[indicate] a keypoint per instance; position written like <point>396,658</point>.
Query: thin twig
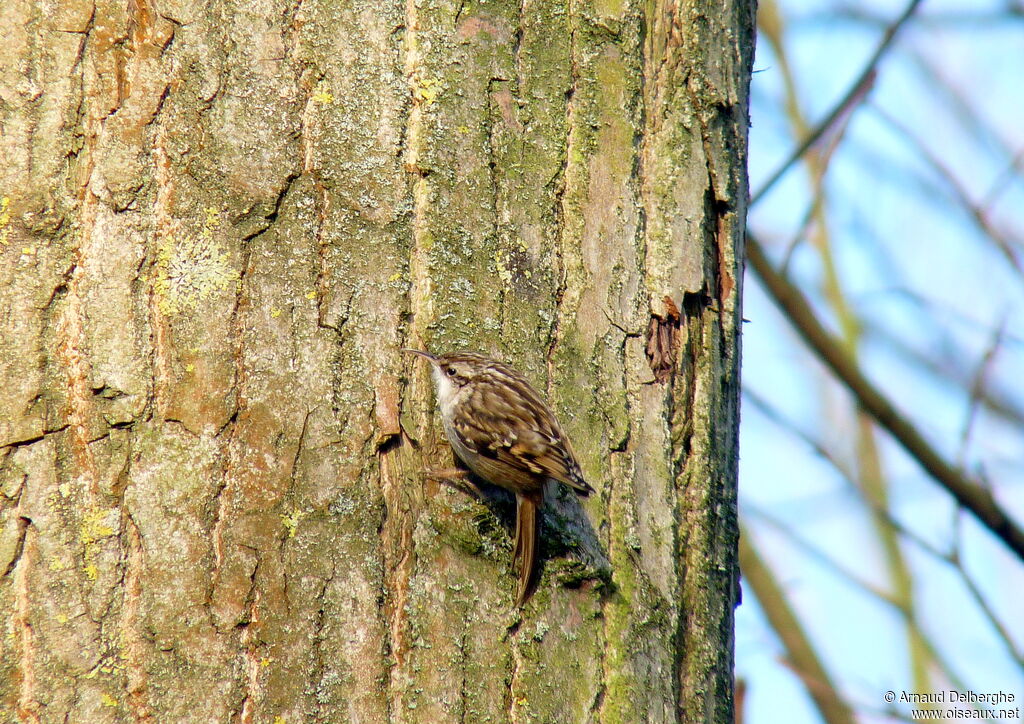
<point>955,559</point>
<point>990,615</point>
<point>975,124</point>
<point>977,391</point>
<point>891,600</point>
<point>940,308</point>
<point>974,211</point>
<point>828,456</point>
<point>823,558</point>
<point>946,369</point>
<point>773,415</point>
<point>821,167</point>
<point>856,93</point>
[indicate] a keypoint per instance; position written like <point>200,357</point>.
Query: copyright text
<point>978,705</point>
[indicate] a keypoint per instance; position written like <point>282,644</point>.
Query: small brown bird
<point>501,429</point>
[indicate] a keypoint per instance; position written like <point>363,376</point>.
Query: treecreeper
<point>505,433</point>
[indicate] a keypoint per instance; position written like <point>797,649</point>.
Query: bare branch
<point>773,414</point>
<point>966,491</point>
<point>950,557</point>
<point>903,607</point>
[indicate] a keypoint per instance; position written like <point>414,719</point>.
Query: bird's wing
<point>518,431</point>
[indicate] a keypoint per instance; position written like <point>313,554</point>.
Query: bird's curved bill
<point>425,355</point>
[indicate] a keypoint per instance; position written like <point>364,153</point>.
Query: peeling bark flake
<point>663,340</point>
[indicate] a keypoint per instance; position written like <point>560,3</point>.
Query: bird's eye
<point>450,371</point>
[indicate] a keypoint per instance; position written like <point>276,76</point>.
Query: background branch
<point>968,493</point>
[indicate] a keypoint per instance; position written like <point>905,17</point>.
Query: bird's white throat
<point>447,391</point>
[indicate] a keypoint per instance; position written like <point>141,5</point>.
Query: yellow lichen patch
<point>279,720</point>
<point>95,525</point>
<point>265,662</point>
<point>192,269</point>
<point>426,90</point>
<point>110,664</point>
<point>5,219</point>
<point>504,273</point>
<point>108,700</point>
<point>62,618</point>
<point>275,313</point>
<point>56,564</point>
<point>311,294</point>
<point>323,96</point>
<point>291,519</point>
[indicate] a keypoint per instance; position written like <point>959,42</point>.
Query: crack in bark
<point>237,330</point>
<point>69,325</point>
<point>323,205</point>
<point>134,654</point>
<point>513,679</point>
<point>718,208</point>
<point>399,564</point>
<point>622,443</point>
<point>399,514</point>
<point>28,706</point>
<point>318,641</point>
<point>19,545</point>
<point>681,430</point>
<point>493,119</point>
<point>343,315</point>
<point>287,493</point>
<point>217,535</point>
<point>270,218</point>
<point>165,228</point>
<point>561,212</point>
<point>292,29</point>
<point>249,639</point>
<point>15,444</point>
<point>227,434</point>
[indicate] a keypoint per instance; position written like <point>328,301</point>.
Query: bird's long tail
<point>525,552</point>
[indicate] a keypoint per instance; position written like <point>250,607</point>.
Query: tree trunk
<point>220,223</point>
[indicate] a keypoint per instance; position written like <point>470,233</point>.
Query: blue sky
<point>919,272</point>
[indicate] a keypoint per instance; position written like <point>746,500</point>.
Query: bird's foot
<point>456,478</point>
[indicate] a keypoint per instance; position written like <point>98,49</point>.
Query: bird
<point>504,432</point>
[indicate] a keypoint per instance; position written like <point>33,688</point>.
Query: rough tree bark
<point>221,220</point>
